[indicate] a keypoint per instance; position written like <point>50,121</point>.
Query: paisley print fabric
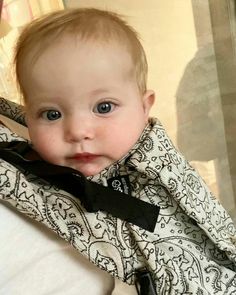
<point>191,251</point>
<point>12,110</point>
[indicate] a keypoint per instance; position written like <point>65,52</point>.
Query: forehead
<point>73,41</point>
<point>70,46</point>
<point>71,61</point>
<point>73,54</point>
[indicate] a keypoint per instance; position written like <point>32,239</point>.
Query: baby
<point>83,75</point>
<point>84,88</point>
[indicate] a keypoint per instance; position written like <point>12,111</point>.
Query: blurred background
<point>191,51</point>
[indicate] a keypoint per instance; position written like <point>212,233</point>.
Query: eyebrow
<point>99,91</point>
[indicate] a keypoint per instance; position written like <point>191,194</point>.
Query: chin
<point>89,171</point>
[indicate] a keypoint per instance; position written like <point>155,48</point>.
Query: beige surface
<point>15,127</point>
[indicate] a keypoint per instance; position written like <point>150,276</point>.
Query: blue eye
<point>51,115</point>
<point>104,107</point>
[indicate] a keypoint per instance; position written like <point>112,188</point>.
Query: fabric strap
<point>93,196</point>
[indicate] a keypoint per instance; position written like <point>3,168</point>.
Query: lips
<point>84,157</point>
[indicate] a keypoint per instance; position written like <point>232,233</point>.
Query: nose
<point>79,129</point>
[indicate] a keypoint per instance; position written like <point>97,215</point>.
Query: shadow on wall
<point>201,135</point>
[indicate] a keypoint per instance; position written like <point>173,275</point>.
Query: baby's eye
<point>104,107</point>
<point>51,115</point>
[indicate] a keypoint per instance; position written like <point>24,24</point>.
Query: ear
<point>148,101</point>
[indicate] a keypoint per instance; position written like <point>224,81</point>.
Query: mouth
<point>84,157</point>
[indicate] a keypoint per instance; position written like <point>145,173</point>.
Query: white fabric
<point>123,289</point>
<point>34,260</point>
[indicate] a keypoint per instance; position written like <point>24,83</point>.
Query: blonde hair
<point>87,23</point>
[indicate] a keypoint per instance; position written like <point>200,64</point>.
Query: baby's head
<point>82,74</point>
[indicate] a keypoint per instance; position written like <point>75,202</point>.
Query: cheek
<point>45,143</point>
<point>121,137</point>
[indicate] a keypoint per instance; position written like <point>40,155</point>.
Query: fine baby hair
<point>85,24</point>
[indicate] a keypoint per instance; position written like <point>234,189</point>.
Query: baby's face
<point>84,109</point>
